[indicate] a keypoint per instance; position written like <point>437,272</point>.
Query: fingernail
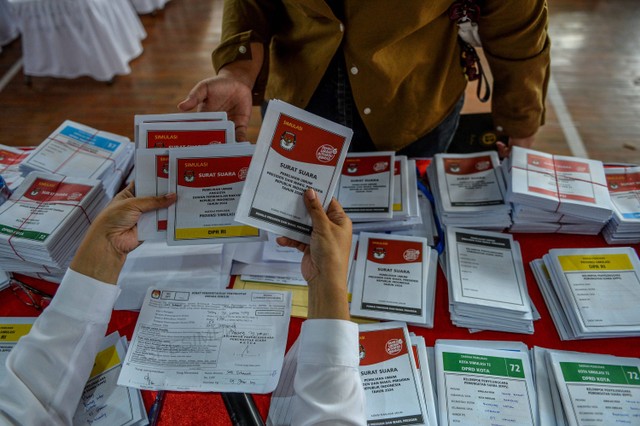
<point>170,196</point>
<point>311,194</point>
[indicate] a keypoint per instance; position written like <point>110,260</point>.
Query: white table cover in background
<point>8,28</point>
<point>148,6</point>
<point>72,38</point>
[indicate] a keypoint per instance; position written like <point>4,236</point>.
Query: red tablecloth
<point>191,408</point>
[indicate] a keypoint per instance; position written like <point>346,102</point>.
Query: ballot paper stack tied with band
<point>592,292</point>
<point>45,219</point>
<point>553,193</point>
<point>577,388</point>
<point>487,287</point>
<point>624,189</point>
<point>77,150</point>
<point>469,190</point>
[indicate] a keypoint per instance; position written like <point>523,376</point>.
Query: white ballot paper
<point>366,188</point>
<point>597,389</point>
<point>218,341</point>
<point>11,330</point>
<point>391,278</point>
<point>152,162</point>
<point>479,386</point>
<point>181,117</point>
<point>296,150</point>
<point>392,386</point>
<point>208,181</point>
<point>103,402</point>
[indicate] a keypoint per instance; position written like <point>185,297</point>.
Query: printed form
<point>219,341</point>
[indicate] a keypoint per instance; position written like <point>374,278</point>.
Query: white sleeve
<point>327,384</point>
<point>49,367</point>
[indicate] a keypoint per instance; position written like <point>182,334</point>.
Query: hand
<point>113,234</point>
<point>326,258</point>
<point>505,150</point>
<point>222,93</point>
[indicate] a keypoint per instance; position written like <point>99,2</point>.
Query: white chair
<point>73,38</point>
<point>8,28</point>
<point>148,6</point>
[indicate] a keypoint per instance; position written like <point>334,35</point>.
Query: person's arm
<point>327,382</point>
<point>48,368</point>
<point>516,44</point>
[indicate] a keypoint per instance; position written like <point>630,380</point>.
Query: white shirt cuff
<point>85,298</point>
<point>329,341</point>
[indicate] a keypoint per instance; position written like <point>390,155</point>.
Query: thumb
<point>312,203</point>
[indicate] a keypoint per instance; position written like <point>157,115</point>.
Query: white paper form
<point>600,286</point>
<point>391,278</point>
<point>478,386</point>
<point>103,402</point>
<point>485,270</point>
<point>219,341</point>
<point>152,162</point>
<point>181,117</point>
<point>470,182</point>
<point>11,330</point>
<point>422,364</point>
<point>393,392</point>
<point>597,389</point>
<point>77,150</point>
<point>366,187</point>
<point>296,150</point>
<point>208,181</point>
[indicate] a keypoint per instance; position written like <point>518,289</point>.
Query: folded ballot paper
<point>469,190</point>
<point>43,222</point>
<point>77,150</point>
<point>624,189</point>
<point>561,194</point>
<point>487,287</point>
<point>394,279</point>
<point>591,293</point>
<point>155,136</point>
<point>577,388</point>
<point>296,150</point>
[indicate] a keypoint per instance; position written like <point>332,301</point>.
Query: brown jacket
<point>403,59</point>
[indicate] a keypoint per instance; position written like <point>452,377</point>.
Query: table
<point>208,408</point>
<point>73,38</point>
<point>148,6</point>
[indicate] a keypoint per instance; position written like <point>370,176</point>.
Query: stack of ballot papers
<point>552,193</point>
<point>76,150</point>
<point>487,286</point>
<point>408,212</point>
<point>624,189</point>
<point>577,388</point>
<point>45,219</point>
<point>469,190</point>
<point>156,136</point>
<point>394,279</point>
<point>485,383</point>
<point>591,293</point>
<point>395,375</point>
<point>10,159</point>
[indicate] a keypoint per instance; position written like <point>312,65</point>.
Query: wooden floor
<point>595,65</point>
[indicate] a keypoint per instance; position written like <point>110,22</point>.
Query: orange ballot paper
<point>296,150</point>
